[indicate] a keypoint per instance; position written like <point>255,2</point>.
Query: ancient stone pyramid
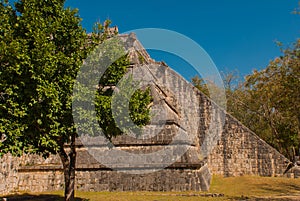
<point>182,147</point>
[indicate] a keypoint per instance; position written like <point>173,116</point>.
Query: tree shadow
<point>29,197</point>
<point>284,188</point>
<point>276,192</point>
<point>267,198</point>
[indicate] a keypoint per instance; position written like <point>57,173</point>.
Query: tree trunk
<point>69,161</point>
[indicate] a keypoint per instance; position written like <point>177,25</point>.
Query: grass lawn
<point>233,188</point>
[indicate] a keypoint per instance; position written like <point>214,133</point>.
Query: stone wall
<point>241,152</point>
<point>40,180</point>
<point>220,145</point>
<point>49,177</point>
<point>237,151</point>
<point>19,173</point>
<point>8,173</point>
<point>163,180</point>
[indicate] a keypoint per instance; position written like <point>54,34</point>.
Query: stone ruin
<point>190,160</point>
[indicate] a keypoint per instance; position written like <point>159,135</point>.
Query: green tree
<point>12,57</point>
<point>276,89</point>
<point>200,84</point>
<point>267,102</point>
<point>42,52</point>
<point>42,48</point>
<point>138,100</point>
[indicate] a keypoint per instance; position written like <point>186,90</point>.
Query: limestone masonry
<point>185,110</point>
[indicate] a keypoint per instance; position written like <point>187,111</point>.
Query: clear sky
<point>237,34</point>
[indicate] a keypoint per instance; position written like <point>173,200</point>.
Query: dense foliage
<point>138,101</point>
<point>40,54</point>
<point>42,47</point>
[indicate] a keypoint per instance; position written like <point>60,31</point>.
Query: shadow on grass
<point>28,197</point>
<point>284,188</point>
<point>276,192</point>
<point>246,198</point>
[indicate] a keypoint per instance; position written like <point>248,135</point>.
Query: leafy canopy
<point>42,48</point>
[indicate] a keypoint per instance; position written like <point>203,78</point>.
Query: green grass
<point>255,186</point>
<point>233,188</point>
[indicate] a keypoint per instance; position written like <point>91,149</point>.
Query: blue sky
<point>237,34</point>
